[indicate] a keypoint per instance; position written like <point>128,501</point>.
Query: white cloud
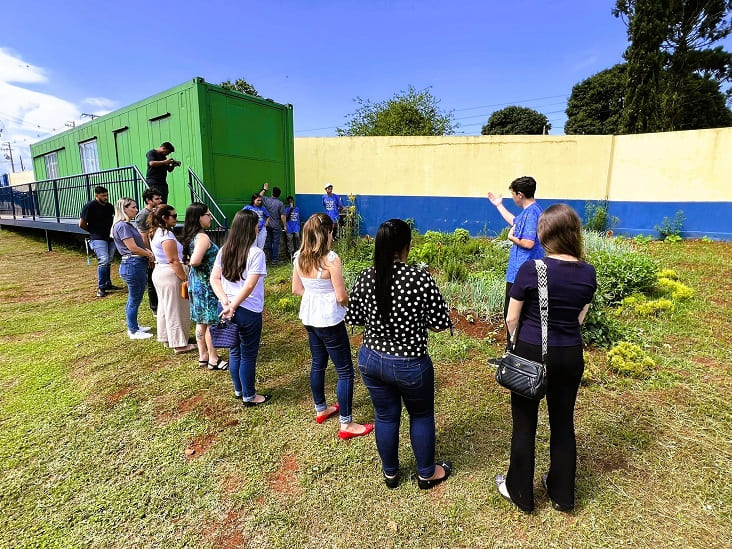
<point>14,69</point>
<point>100,103</point>
<point>26,115</point>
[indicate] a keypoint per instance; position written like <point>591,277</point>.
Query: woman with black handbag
<point>571,285</point>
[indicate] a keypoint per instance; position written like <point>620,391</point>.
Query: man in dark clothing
<point>152,200</point>
<point>277,221</point>
<point>158,166</point>
<point>96,218</point>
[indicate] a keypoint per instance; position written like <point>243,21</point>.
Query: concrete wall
<point>441,182</point>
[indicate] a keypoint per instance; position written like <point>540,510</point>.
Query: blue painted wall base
<point>480,217</point>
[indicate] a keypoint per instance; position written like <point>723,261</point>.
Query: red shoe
<point>321,419</point>
<point>345,435</point>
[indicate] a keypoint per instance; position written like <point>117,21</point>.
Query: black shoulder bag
<point>520,375</point>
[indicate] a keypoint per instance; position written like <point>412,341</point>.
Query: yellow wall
<point>20,178</point>
<point>690,166</point>
<point>670,167</point>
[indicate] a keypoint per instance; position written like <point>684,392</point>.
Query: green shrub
<point>468,249</point>
<point>642,239</point>
<point>640,305</point>
<point>461,235</point>
<point>653,307</point>
<point>622,274</point>
<point>435,236</point>
<point>427,253</point>
<point>289,304</point>
<point>455,270</point>
<point>630,360</point>
<point>670,229</point>
<point>352,269</point>
<point>597,218</point>
<point>601,327</point>
<point>668,273</point>
<point>596,242</point>
<point>676,289</point>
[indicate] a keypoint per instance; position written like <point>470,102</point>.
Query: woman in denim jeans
<point>397,303</point>
<point>237,278</point>
<point>135,258</point>
<point>318,277</point>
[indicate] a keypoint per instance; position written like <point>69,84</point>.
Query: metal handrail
<point>200,194</point>
<point>63,198</point>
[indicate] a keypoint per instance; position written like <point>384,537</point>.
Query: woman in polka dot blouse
<point>397,303</point>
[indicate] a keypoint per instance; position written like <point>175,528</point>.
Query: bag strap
<point>542,286</point>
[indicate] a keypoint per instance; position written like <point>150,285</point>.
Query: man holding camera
<point>158,166</point>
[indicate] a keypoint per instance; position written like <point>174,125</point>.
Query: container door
<point>122,148</point>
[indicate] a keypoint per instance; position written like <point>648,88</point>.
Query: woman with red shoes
<point>397,303</point>
<point>318,277</point>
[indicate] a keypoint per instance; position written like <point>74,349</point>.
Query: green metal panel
<point>247,141</point>
<point>234,142</point>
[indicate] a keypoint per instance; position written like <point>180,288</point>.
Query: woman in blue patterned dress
<point>201,253</point>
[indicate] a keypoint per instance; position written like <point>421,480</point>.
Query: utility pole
<point>10,155</point>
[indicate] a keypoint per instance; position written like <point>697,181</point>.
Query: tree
<point>596,104</point>
<point>646,21</point>
<point>516,121</point>
<point>673,68</point>
<point>240,85</point>
<point>407,113</point>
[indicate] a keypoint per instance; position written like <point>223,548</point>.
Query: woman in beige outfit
<point>174,315</point>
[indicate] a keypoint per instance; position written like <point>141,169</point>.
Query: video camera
<point>176,163</point>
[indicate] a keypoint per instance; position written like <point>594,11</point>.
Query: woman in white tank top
<point>318,278</point>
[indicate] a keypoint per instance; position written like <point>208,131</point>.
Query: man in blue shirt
<point>333,206</point>
<point>523,228</point>
<point>292,222</point>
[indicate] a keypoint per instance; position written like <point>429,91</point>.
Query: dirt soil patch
<point>283,481</point>
<point>472,326</point>
<point>199,447</point>
<point>226,534</point>
<point>114,398</point>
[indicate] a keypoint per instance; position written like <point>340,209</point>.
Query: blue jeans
<point>331,341</point>
<point>105,252</point>
<point>391,379</point>
<point>243,358</point>
<point>133,271</point>
<point>273,243</point>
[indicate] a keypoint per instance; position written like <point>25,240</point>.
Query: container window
<point>51,160</point>
<point>89,156</point>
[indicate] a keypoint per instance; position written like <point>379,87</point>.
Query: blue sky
<point>58,60</point>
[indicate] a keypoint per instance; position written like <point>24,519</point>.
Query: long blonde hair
<point>315,246</point>
<point>119,211</point>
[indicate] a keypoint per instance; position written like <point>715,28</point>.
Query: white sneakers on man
<point>144,328</point>
<point>139,334</point>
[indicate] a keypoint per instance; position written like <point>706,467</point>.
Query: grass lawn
<point>108,442</point>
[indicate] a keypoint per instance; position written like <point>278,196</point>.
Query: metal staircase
<point>219,223</point>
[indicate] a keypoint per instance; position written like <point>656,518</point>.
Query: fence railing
<point>63,198</point>
<point>200,194</point>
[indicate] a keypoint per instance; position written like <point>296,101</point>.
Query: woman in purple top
<point>571,285</point>
<point>263,216</point>
<point>135,259</point>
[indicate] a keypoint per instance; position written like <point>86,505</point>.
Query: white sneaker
<point>144,328</point>
<point>139,335</point>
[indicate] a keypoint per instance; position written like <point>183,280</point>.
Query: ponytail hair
<point>158,217</point>
<point>392,238</point>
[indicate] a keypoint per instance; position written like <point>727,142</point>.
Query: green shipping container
<point>233,142</point>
